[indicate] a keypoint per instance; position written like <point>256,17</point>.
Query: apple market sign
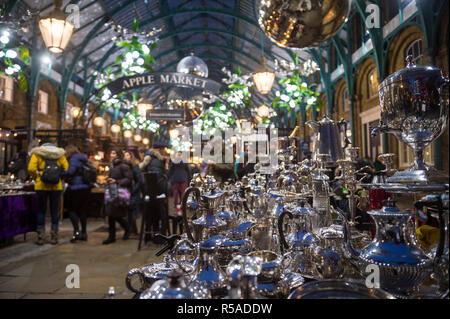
<point>162,79</point>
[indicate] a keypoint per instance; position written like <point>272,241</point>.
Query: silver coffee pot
<point>206,269</point>
<point>327,138</point>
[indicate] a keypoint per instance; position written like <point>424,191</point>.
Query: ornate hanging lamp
<point>56,30</point>
<point>264,79</point>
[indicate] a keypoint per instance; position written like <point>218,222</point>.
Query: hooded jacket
<point>37,163</point>
<point>76,172</point>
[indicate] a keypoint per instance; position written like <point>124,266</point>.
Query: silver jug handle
<point>176,250</point>
<point>444,83</point>
<point>186,226</point>
<point>130,274</point>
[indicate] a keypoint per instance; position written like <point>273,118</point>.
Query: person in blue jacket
<point>77,192</point>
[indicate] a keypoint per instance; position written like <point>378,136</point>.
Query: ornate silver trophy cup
<point>414,107</point>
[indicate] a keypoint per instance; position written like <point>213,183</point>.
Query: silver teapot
<point>402,264</point>
<point>271,282</point>
<point>414,107</point>
<point>140,279</point>
<point>175,286</point>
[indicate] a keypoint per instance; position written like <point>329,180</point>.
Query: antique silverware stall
<point>284,235</point>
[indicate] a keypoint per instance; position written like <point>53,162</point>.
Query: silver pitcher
<point>207,270</point>
<point>328,139</point>
<point>207,225</point>
<point>414,107</point>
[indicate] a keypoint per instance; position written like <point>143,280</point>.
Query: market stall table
<point>18,214</point>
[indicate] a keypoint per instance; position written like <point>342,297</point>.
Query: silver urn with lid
<point>414,107</point>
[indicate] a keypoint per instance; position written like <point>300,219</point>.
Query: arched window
<point>372,82</point>
<point>416,50</point>
<point>346,101</point>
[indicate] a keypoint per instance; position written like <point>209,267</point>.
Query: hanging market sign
<point>166,115</point>
<point>162,79</point>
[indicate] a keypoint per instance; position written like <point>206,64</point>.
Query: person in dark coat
<point>119,173</point>
<point>155,162</point>
<point>138,189</point>
<point>179,175</point>
<point>77,193</point>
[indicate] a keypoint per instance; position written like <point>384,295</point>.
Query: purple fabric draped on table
<point>18,215</point>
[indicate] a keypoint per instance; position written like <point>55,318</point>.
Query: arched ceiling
<point>221,32</point>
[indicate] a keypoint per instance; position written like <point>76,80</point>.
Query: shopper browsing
<point>117,204</point>
<point>78,190</point>
<point>46,166</point>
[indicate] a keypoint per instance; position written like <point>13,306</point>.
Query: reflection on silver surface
<point>300,23</point>
<point>338,289</point>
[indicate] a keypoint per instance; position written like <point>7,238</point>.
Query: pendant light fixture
<point>264,78</point>
<point>115,128</point>
<point>56,30</point>
<point>99,121</point>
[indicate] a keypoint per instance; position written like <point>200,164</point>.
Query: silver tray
<point>409,188</point>
<point>338,289</point>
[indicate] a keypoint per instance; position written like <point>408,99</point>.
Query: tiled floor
<point>31,271</point>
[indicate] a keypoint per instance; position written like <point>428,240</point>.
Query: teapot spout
<point>314,125</point>
<point>347,235</point>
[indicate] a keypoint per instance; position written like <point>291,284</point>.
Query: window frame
<point>371,94</point>
<point>8,83</point>
<point>410,47</point>
<point>346,100</point>
<point>42,93</point>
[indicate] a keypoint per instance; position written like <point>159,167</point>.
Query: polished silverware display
<point>414,107</point>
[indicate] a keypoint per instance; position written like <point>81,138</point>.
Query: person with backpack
<point>138,187</point>
<point>120,177</point>
<point>78,190</point>
<point>155,162</point>
<point>46,166</point>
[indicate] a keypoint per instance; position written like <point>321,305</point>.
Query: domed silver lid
<point>411,72</point>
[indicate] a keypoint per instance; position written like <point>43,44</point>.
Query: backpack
<point>89,173</point>
<point>161,177</point>
<point>51,173</point>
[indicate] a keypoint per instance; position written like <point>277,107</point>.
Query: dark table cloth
<point>18,214</point>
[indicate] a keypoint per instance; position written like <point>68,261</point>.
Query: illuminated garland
<point>213,120</point>
<point>136,59</point>
<point>238,94</point>
<point>133,121</point>
<point>9,57</point>
<point>295,92</point>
